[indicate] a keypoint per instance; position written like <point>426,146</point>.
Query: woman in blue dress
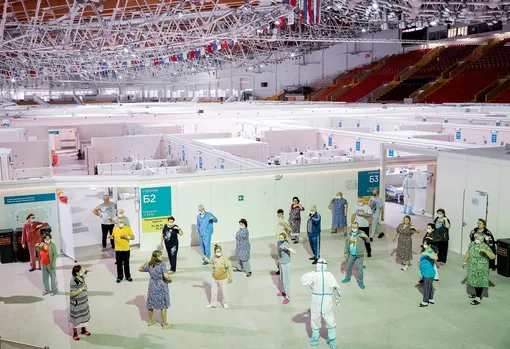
<point>158,296</point>
<point>340,207</point>
<point>243,248</point>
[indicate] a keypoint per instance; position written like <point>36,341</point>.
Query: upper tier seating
<point>382,76</point>
<point>345,81</point>
<point>429,72</point>
<point>495,63</point>
<point>404,89</point>
<point>446,58</point>
<point>503,97</point>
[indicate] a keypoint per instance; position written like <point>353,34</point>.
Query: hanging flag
<point>33,73</point>
<point>214,47</point>
<point>9,74</point>
<point>225,44</point>
<point>197,53</point>
<point>209,48</point>
<point>124,64</point>
<point>156,61</point>
<point>174,58</point>
<point>179,56</point>
<point>202,51</point>
<point>161,60</point>
<point>142,64</point>
<point>281,22</point>
<point>192,54</point>
<point>290,2</point>
<point>310,11</point>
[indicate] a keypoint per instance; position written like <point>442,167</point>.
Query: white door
<point>475,207</point>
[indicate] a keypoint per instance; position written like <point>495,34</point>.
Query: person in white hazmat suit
<point>325,291</point>
<point>409,187</point>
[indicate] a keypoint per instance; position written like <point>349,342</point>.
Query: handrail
<point>21,345</point>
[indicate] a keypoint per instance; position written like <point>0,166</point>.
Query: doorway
<point>475,207</point>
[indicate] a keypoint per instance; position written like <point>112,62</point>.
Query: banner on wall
<point>19,207</point>
<point>43,206</point>
<point>156,207</point>
<point>367,182</point>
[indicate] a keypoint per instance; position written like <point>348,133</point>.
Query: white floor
<point>384,315</point>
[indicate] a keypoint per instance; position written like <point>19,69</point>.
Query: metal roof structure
<point>94,40</point>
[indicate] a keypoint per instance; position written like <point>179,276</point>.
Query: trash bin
<point>6,252</point>
<point>22,254</point>
<point>503,258</point>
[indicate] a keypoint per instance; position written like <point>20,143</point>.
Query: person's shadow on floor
<point>304,318</point>
<point>114,340</point>
<point>20,300</point>
<point>207,288</point>
<point>139,302</point>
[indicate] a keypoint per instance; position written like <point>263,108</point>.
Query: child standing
<point>222,274</point>
<point>427,260</point>
<point>284,252</point>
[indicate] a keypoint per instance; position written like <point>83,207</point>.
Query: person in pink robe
<point>31,235</point>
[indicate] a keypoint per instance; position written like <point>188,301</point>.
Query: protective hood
<point>322,264</point>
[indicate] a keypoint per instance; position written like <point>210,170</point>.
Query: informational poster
<point>367,182</point>
<point>43,206</point>
<point>156,207</point>
<point>19,207</point>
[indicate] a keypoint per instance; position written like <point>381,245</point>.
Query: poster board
<point>156,207</point>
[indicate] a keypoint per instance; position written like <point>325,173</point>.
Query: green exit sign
<point>240,198</point>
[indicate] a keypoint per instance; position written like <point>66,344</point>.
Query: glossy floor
<point>384,315</point>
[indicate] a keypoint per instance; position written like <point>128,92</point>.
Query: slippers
<point>151,323</point>
<point>475,302</point>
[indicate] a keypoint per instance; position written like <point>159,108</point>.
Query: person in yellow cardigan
<point>122,234</point>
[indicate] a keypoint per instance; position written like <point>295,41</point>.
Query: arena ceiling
<point>111,40</point>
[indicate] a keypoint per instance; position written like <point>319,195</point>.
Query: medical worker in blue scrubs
<point>205,221</point>
<point>313,227</point>
<point>325,289</point>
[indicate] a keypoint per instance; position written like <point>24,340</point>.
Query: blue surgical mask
<point>32,219</point>
<point>282,240</point>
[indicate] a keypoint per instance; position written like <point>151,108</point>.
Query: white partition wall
<point>459,177</point>
<point>66,228</point>
<point>255,197</point>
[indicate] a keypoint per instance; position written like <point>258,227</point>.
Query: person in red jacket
<point>31,235</point>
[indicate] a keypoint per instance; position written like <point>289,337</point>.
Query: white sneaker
<point>45,293</point>
<point>405,267</point>
<point>225,305</point>
<point>210,306</point>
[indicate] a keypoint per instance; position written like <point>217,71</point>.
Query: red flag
<point>174,58</point>
<point>156,61</point>
<point>225,44</point>
<point>282,22</point>
<point>33,73</point>
<point>209,49</point>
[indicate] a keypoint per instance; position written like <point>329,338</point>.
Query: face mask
<point>440,215</point>
<point>121,215</point>
<point>360,203</point>
<point>32,220</point>
<point>429,230</point>
<point>81,273</point>
<point>121,225</point>
<point>478,242</point>
<point>282,240</point>
<point>218,254</point>
<point>425,246</point>
<point>47,241</point>
<point>355,230</point>
<point>241,227</point>
<point>312,213</point>
<point>339,196</point>
<point>202,213</point>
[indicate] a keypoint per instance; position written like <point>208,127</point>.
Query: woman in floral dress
<point>158,296</point>
<point>243,248</point>
<point>295,218</point>
<point>477,261</point>
<point>405,232</point>
<point>340,208</point>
